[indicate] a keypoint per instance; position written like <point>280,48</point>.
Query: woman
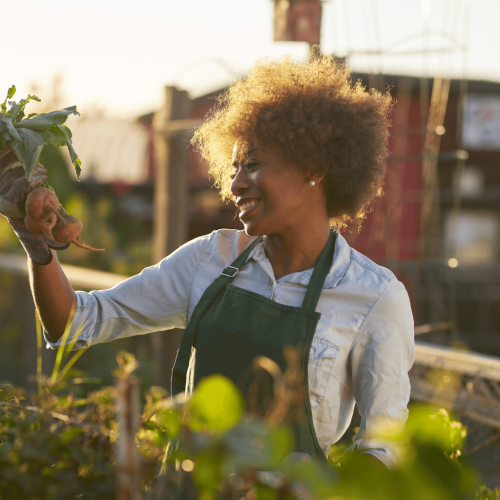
<point>300,150</point>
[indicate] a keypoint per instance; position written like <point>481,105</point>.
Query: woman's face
<point>272,194</point>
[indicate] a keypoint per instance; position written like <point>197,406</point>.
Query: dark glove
<point>14,187</point>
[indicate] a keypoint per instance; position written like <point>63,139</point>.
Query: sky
<point>114,57</point>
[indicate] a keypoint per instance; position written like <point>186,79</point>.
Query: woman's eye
<point>251,165</point>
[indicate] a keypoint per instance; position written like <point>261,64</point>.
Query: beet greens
<point>26,136</point>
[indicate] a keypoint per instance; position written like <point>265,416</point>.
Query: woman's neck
<point>296,250</point>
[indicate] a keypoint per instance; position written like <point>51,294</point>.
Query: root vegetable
<point>40,205</point>
<point>38,201</point>
<point>40,226</point>
<point>67,230</point>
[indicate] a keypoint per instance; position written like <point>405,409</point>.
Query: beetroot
<point>40,226</point>
<point>40,205</point>
<point>44,216</point>
<point>67,230</point>
<point>38,202</point>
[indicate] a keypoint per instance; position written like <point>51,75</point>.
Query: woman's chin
<point>252,229</point>
<point>249,230</point>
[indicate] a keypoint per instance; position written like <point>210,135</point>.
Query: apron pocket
<point>321,360</point>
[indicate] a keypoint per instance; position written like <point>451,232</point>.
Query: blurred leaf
<point>170,421</point>
<point>428,426</point>
<point>280,444</point>
<point>484,493</point>
<point>216,405</point>
<point>126,365</point>
<point>206,475</point>
<point>69,434</point>
<point>254,444</point>
<point>264,492</point>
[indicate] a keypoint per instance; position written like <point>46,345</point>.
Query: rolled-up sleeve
<point>382,354</point>
<point>154,300</point>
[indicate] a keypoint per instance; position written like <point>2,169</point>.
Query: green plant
<point>484,493</point>
<point>26,136</point>
<point>60,444</point>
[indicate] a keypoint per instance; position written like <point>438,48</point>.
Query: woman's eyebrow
<point>247,154</point>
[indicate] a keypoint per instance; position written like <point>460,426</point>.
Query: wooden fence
<point>79,277</point>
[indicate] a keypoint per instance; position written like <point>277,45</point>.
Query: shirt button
<point>312,350</point>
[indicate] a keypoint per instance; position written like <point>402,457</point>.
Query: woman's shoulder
<point>228,243</point>
<point>221,244</point>
<point>380,286</point>
<point>366,266</point>
<point>230,234</point>
<point>371,280</point>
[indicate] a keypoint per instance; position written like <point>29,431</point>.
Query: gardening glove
<point>14,187</point>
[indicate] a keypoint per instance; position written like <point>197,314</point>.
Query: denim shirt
<point>361,352</point>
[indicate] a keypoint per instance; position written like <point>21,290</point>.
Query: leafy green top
<point>26,136</point>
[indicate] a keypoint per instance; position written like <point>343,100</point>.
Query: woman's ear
<point>316,178</point>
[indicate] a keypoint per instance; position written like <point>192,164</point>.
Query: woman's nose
<point>239,183</point>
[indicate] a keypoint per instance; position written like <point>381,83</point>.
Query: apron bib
<point>231,326</point>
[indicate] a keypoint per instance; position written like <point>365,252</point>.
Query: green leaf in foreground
<point>216,405</point>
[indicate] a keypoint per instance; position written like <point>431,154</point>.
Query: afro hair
<point>323,123</point>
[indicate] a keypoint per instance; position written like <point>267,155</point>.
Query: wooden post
<point>171,200</point>
<point>128,479</point>
<point>429,222</point>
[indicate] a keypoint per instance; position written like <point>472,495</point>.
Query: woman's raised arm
<point>53,295</point>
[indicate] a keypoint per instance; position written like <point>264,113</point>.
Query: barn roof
<point>112,150</point>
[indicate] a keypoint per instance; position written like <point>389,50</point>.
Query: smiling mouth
<point>247,207</point>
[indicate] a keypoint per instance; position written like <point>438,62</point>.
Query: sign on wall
<point>481,128</point>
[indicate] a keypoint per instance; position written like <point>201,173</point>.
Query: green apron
<point>231,326</point>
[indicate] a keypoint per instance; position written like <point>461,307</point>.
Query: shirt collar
<point>341,261</point>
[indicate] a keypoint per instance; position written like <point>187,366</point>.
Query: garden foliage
<point>60,442</point>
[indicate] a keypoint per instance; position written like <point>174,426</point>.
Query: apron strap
<point>181,364</point>
<point>232,270</point>
<point>319,274</point>
<point>227,274</point>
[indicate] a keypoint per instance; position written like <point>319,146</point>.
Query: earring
<point>312,183</point>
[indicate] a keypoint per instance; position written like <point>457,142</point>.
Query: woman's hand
<point>14,187</point>
<point>52,292</point>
